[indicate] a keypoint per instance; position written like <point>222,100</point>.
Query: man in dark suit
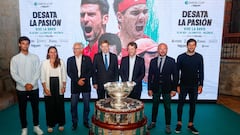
<point>132,69</point>
<point>79,69</point>
<point>105,69</point>
<point>162,81</point>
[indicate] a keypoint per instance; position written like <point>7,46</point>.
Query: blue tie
<point>106,62</point>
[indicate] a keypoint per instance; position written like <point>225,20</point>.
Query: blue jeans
<point>74,108</point>
<point>193,94</point>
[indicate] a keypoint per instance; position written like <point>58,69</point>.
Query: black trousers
<point>33,97</point>
<point>166,102</point>
<point>101,92</point>
<point>193,95</point>
<point>54,105</point>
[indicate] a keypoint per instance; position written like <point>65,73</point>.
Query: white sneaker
<point>24,131</point>
<point>37,130</point>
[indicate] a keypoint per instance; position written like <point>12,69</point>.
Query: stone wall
<point>9,33</point>
<point>229,79</point>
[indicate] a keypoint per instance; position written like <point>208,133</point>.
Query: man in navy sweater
<point>191,75</point>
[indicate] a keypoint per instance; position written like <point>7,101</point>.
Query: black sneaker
<point>178,129</point>
<point>151,126</point>
<point>193,129</point>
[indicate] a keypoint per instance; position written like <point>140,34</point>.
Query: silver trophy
<point>118,91</point>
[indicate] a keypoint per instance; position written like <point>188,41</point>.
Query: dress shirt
<point>131,66</point>
<point>79,63</point>
<point>162,62</point>
<point>108,58</point>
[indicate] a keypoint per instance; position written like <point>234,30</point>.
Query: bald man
<point>162,81</point>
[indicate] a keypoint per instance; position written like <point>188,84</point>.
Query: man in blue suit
<point>105,69</point>
<point>162,81</point>
<point>132,69</point>
<point>79,69</point>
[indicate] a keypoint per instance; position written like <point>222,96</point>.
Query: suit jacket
<point>100,74</point>
<point>169,75</point>
<point>86,72</point>
<point>138,71</point>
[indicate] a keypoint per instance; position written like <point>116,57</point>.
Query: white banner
<point>57,22</point>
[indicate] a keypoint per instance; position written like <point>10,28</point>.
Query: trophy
<point>118,91</point>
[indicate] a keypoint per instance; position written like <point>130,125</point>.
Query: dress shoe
<point>74,127</point>
<point>151,126</point>
<point>86,125</point>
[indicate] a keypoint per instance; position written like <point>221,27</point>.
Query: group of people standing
<point>166,78</point>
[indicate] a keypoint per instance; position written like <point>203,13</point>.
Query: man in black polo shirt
<point>190,69</point>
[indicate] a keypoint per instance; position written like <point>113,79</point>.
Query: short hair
<point>113,39</point>
<point>191,40</point>
<point>133,44</point>
<point>104,41</point>
<point>22,38</point>
<point>103,5</point>
<point>78,43</point>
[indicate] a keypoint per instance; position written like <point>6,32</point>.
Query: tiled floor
<point>231,102</point>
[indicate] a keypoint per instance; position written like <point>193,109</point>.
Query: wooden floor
<point>231,102</point>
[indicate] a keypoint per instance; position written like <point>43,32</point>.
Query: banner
<point>62,23</point>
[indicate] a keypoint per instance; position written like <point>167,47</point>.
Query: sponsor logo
<point>194,3</point>
<point>43,4</point>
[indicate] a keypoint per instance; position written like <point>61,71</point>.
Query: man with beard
<point>93,18</point>
<point>191,75</point>
<point>132,16</point>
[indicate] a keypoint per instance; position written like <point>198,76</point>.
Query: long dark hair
<point>57,60</point>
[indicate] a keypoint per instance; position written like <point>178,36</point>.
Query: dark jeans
<point>166,103</point>
<point>193,94</point>
<point>74,108</point>
<point>54,105</point>
<point>33,97</point>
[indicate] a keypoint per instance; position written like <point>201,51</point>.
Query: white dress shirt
<point>131,66</point>
<point>79,63</point>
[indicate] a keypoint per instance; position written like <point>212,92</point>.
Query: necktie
<point>160,65</point>
<point>106,62</point>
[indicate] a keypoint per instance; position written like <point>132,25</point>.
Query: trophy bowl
<point>118,91</point>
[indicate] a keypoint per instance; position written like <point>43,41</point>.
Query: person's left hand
<point>28,87</point>
<point>81,81</point>
<point>199,89</point>
<point>63,89</point>
<point>173,93</point>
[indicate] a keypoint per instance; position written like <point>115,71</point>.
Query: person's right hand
<point>81,81</point>
<point>150,93</point>
<point>178,89</point>
<point>28,87</point>
<point>47,92</point>
<point>95,86</point>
